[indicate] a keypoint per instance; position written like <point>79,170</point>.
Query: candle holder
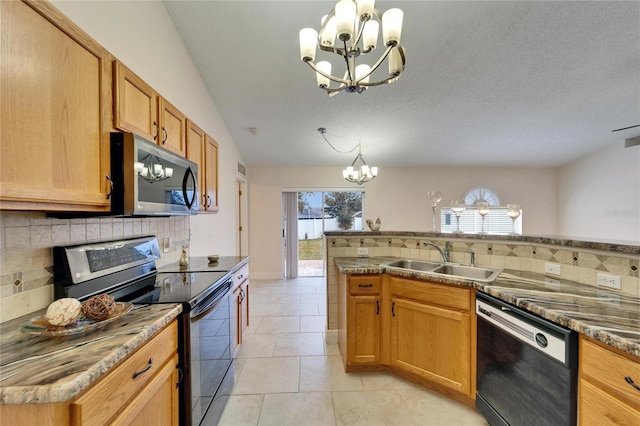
<point>513,211</point>
<point>483,210</point>
<point>434,198</point>
<point>458,206</point>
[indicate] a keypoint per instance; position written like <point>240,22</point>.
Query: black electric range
<point>126,270</point>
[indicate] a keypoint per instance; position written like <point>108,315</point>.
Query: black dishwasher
<point>526,367</point>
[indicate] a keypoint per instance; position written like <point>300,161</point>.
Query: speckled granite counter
<point>603,314</point>
<point>35,369</point>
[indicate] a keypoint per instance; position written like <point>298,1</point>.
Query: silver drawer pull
<point>365,285</point>
<point>144,370</point>
<point>630,381</point>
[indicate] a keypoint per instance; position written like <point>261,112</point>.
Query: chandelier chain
<point>322,131</point>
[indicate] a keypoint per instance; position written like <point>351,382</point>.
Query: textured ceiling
<point>486,83</point>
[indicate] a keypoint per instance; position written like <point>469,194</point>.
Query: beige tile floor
<point>287,375</point>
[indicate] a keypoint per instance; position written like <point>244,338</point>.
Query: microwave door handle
<point>189,202</point>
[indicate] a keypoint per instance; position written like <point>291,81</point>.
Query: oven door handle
<point>210,305</point>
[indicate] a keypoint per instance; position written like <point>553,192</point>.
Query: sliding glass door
<point>317,212</point>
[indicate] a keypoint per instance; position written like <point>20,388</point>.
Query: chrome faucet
<point>444,253</point>
<point>473,258</point>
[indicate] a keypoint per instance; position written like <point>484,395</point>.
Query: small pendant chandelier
<point>354,26</point>
<point>359,171</point>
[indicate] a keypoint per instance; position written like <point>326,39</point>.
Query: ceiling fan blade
<point>629,142</point>
<point>626,128</point>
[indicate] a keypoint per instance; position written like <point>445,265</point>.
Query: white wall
<point>397,196</point>
<point>142,36</point>
<point>599,196</point>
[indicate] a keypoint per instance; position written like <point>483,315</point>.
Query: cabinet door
<point>363,329</point>
<point>196,140</point>
<point>172,128</point>
<point>244,309</point>
<point>157,403</point>
<point>431,342</point>
<point>211,174</point>
<point>136,104</point>
<point>237,311</point>
<point>55,112</point>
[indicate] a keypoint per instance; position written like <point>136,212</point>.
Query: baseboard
<point>331,337</point>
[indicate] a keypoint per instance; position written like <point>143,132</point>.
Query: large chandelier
<point>359,171</point>
<point>356,25</point>
<point>152,170</point>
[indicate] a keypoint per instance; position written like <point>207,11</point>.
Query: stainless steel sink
<point>413,265</point>
<point>446,269</point>
<point>470,272</point>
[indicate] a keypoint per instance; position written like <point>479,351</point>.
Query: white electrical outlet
<point>166,244</point>
<point>552,268</point>
<point>363,251</point>
<point>606,280</point>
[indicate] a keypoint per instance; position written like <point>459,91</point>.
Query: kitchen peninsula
<point>380,310</point>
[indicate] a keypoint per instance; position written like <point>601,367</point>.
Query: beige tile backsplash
<point>578,266</point>
<point>26,250</point>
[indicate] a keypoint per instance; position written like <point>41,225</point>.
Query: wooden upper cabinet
<point>211,174</point>
<point>202,149</point>
<point>139,109</point>
<point>136,108</point>
<point>55,109</point>
<point>172,128</point>
<point>196,140</point>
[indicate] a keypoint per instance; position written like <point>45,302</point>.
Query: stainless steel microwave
<point>149,180</point>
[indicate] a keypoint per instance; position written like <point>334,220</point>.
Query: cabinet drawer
<point>109,395</point>
<point>610,369</point>
<point>240,275</point>
<point>364,284</point>
<point>435,294</point>
<point>599,408</point>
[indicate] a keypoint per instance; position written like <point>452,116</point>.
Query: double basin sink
<point>452,270</point>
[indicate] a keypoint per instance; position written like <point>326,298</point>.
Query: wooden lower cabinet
<point>422,331</point>
<point>241,290</point>
<point>141,390</point>
<point>431,342</point>
<point>605,396</point>
<point>432,333</point>
<point>363,319</point>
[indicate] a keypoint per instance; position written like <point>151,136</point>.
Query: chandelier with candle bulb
<point>359,171</point>
<point>150,168</point>
<point>353,27</point>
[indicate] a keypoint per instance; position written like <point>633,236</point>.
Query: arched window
<point>481,193</point>
<point>495,222</point>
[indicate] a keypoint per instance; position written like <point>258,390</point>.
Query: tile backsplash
<point>26,250</point>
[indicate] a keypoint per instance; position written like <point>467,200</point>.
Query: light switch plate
<point>166,244</point>
<point>363,251</point>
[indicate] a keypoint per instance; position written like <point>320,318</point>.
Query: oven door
<point>211,349</point>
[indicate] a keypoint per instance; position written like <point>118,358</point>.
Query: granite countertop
<point>37,369</point>
<point>608,316</point>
